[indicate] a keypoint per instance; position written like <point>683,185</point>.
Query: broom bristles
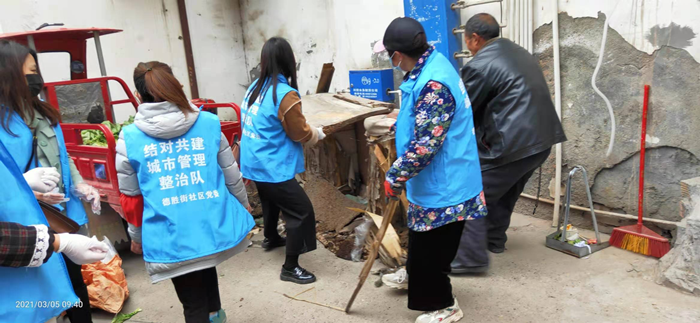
<point>635,244</point>
<point>639,244</point>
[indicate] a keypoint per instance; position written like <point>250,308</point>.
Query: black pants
<point>429,257</point>
<point>199,294</point>
<point>78,314</point>
<point>502,188</point>
<point>297,210</point>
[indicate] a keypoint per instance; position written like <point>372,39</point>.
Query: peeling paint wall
<point>645,24</point>
<point>674,118</point>
<point>320,31</point>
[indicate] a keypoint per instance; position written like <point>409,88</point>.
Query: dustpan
<point>562,243</point>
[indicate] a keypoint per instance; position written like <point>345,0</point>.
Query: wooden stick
<point>297,295</point>
<point>312,302</point>
<point>388,215</point>
<point>384,165</point>
<point>601,212</point>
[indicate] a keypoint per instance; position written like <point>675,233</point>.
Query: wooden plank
<point>324,82</point>
<point>391,242</point>
<point>334,112</point>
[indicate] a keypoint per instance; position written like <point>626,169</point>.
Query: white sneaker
<point>450,314</point>
<point>397,280</point>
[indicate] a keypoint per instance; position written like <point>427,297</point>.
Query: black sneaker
<point>269,244</point>
<point>297,275</point>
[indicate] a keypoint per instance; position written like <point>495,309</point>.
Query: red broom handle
<point>640,207</point>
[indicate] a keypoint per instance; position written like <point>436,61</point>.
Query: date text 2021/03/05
<point>47,304</point>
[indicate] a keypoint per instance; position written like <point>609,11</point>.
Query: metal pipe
<point>520,22</point>
<point>187,42</point>
<point>601,212</point>
<point>398,95</point>
<point>568,202</point>
<point>523,23</point>
<point>464,4</point>
<point>530,25</point>
<point>100,56</point>
<point>461,29</point>
<point>511,21</point>
<point>557,106</point>
<point>30,42</point>
<point>463,54</point>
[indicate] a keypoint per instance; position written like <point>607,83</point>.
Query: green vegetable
<point>97,138</point>
<point>121,317</point>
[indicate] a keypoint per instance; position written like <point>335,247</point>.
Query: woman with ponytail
<point>181,191</point>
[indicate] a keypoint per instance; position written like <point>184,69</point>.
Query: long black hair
<point>15,95</point>
<point>276,58</point>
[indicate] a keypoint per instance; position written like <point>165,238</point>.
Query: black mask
<point>35,83</point>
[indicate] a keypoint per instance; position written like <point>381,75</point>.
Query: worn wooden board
<point>335,111</point>
<point>391,243</point>
<point>330,205</point>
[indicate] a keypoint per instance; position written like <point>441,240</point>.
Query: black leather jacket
<point>514,115</point>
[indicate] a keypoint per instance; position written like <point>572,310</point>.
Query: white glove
<point>81,249</point>
<point>321,134</point>
<point>90,194</point>
<point>43,179</point>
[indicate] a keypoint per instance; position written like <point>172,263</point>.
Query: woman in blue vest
<point>36,286</point>
<point>30,130</point>
<point>438,166</point>
<point>182,192</point>
<point>274,130</point>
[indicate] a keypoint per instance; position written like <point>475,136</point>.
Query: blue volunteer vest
<point>267,153</point>
<point>454,175</point>
<point>33,294</point>
<point>188,211</point>
<point>21,148</point>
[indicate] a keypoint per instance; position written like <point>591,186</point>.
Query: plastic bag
<point>106,281</point>
<point>360,237</point>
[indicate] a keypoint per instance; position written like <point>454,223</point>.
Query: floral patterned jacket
<point>435,108</point>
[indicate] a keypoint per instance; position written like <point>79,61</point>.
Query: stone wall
<point>674,119</point>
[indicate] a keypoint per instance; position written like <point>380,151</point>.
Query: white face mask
<point>397,67</point>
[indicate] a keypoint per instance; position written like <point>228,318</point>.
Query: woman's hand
<point>136,248</point>
<point>42,179</point>
<point>50,198</point>
<point>249,208</point>
<point>89,194</point>
<point>81,249</point>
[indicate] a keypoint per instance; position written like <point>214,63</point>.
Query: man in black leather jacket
<point>516,125</point>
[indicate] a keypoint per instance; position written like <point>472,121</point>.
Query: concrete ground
<point>527,283</point>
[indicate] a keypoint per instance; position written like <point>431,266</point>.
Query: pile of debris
<point>335,222</point>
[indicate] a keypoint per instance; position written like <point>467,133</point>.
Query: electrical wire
<point>595,87</point>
